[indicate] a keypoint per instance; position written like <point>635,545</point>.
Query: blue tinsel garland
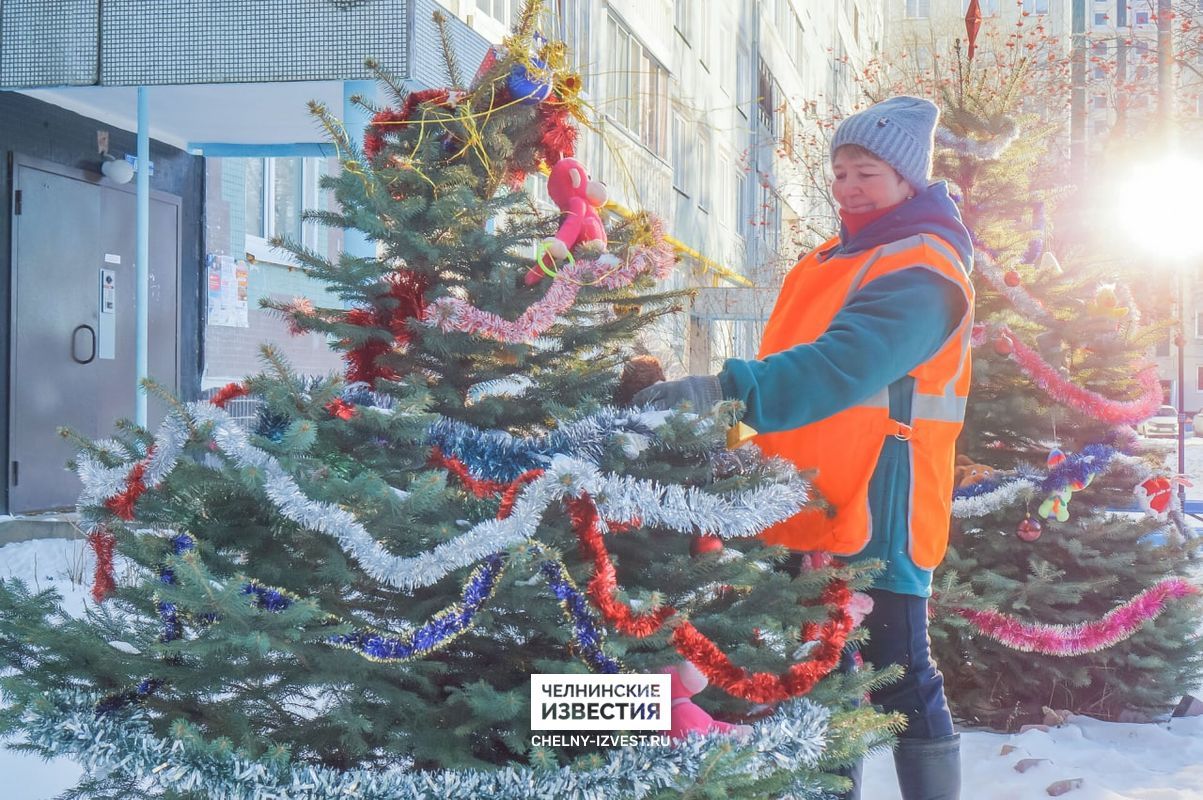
<point>1092,459</point>
<point>500,456</point>
<point>588,636</point>
<point>438,631</point>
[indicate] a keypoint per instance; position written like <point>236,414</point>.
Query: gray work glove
<point>700,391</point>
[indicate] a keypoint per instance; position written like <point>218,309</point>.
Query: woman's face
<point>864,183</point>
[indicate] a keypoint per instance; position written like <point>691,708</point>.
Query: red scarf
<point>857,221</point>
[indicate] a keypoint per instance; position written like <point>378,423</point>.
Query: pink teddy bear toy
<point>687,716</point>
<point>579,199</point>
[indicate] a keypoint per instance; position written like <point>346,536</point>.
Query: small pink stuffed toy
<point>687,716</point>
<point>579,198</point>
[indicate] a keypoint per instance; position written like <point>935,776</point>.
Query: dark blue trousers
<point>898,635</point>
<point>927,758</point>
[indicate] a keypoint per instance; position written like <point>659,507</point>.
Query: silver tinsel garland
<point>685,510</point>
<point>101,482</point>
<point>125,745</point>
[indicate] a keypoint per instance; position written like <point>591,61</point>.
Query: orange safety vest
<point>845,447</point>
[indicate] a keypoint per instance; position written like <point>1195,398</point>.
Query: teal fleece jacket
<point>887,328</point>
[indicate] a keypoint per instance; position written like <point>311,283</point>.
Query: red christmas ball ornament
<point>1012,279</point>
<point>1029,530</point>
<point>1004,346</point>
<point>705,544</point>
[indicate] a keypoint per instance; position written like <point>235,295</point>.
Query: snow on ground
<point>66,565</point>
<point>1162,761</point>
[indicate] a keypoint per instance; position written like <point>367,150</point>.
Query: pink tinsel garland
<point>1084,637</point>
<point>454,314</point>
<point>1096,405</point>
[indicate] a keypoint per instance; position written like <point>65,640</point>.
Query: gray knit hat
<point>899,131</point>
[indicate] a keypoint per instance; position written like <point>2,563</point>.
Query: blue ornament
<point>525,88</point>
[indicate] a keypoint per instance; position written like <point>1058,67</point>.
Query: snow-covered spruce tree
<point>350,599</point>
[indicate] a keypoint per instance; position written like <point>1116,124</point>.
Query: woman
<point>862,374</point>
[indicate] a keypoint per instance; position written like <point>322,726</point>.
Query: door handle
<point>75,344</point>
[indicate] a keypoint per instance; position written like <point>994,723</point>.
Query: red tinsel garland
<point>483,487</point>
<point>373,137</point>
<point>557,136</point>
<point>583,513</point>
<point>405,300</point>
<point>765,687</point>
<point>122,504</point>
<point>103,583</point>
<point>689,642</point>
<point>1065,392</point>
<point>229,392</point>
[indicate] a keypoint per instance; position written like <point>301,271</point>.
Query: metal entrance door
<point>73,320</point>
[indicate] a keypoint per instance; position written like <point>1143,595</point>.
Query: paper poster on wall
<point>228,295</point>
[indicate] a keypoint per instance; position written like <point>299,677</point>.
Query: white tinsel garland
<point>996,500</point>
<point>987,150</point>
<point>686,510</point>
<point>126,746</point>
<point>101,482</point>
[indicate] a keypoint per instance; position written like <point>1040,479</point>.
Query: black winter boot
<point>929,769</point>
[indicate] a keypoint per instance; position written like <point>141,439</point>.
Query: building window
<point>918,9</point>
<point>1098,56</point>
<point>276,191</point>
<point>704,174</point>
<point>1199,379</point>
<point>799,37</point>
<point>682,18</point>
<point>681,161</point>
<point>728,203</point>
<point>742,217</point>
<point>572,17</point>
<point>255,189</point>
<point>1199,324</point>
<point>989,7</point>
<point>743,79</point>
<point>497,9</point>
<point>766,99</point>
<point>287,189</point>
<point>1142,57</point>
<point>1142,17</point>
<point>1163,349</point>
<point>768,216</point>
<point>1100,19</point>
<point>639,86</point>
<point>1035,6</point>
<point>704,41</point>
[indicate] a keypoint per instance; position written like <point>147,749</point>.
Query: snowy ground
<point>1114,761</point>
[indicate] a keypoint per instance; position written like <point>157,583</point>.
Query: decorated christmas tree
<point>350,598</point>
<point>1048,600</point>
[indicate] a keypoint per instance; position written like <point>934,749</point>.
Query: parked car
<point>1163,423</point>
